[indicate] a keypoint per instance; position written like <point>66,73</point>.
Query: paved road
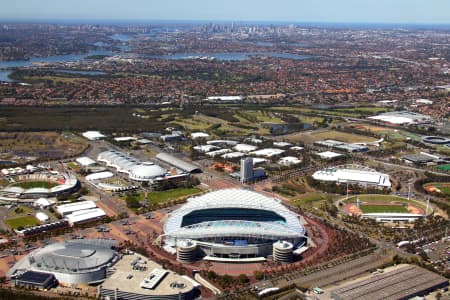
<point>207,284</point>
<point>409,168</point>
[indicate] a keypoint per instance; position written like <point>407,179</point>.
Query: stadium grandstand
<point>232,224</point>
<point>353,174</point>
<point>65,184</point>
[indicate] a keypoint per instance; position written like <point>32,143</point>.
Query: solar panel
<point>34,277</point>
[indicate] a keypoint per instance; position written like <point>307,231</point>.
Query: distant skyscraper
<point>246,169</point>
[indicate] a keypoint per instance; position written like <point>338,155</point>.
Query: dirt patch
<point>416,210</point>
<point>352,209</point>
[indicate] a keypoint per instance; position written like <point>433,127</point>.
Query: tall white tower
<point>246,169</point>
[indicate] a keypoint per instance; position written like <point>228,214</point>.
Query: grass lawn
<point>309,198</point>
<point>445,168</point>
<point>383,209</point>
<point>310,137</point>
<point>376,198</point>
<point>20,210</point>
<point>445,190</point>
<point>164,196</point>
<point>383,200</point>
<point>35,184</point>
<point>26,221</point>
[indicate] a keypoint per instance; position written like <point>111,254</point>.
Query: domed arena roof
<point>73,261</point>
<point>146,171</point>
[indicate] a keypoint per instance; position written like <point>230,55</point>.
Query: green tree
<point>242,278</point>
<point>258,275</point>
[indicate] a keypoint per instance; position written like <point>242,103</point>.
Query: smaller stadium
<point>42,184</point>
<point>353,174</point>
<point>71,262</point>
<point>386,208</point>
<point>235,225</point>
<point>436,140</point>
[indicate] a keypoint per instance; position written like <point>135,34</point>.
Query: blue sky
<point>366,11</point>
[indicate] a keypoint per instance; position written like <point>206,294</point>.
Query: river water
<point>6,66</point>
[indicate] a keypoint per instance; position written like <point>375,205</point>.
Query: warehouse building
<point>402,283</point>
<point>338,145</point>
<point>178,163</point>
<point>353,174</point>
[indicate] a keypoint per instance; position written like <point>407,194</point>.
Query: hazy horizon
<point>282,11</point>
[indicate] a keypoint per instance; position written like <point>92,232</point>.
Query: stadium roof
<point>235,228</point>
<point>72,256</point>
<point>234,198</point>
<point>178,163</point>
<point>147,171</point>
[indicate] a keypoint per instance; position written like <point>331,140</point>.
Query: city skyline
<point>327,11</point>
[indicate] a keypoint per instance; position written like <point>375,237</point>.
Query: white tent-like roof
<point>42,217</point>
<point>244,148</point>
<point>85,161</point>
<point>43,202</point>
<point>197,135</point>
<point>85,215</point>
<point>328,154</point>
<point>93,135</point>
<point>99,175</point>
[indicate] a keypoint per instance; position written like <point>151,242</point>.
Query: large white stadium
<point>232,224</point>
<point>134,168</point>
<point>353,174</point>
<point>72,262</point>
